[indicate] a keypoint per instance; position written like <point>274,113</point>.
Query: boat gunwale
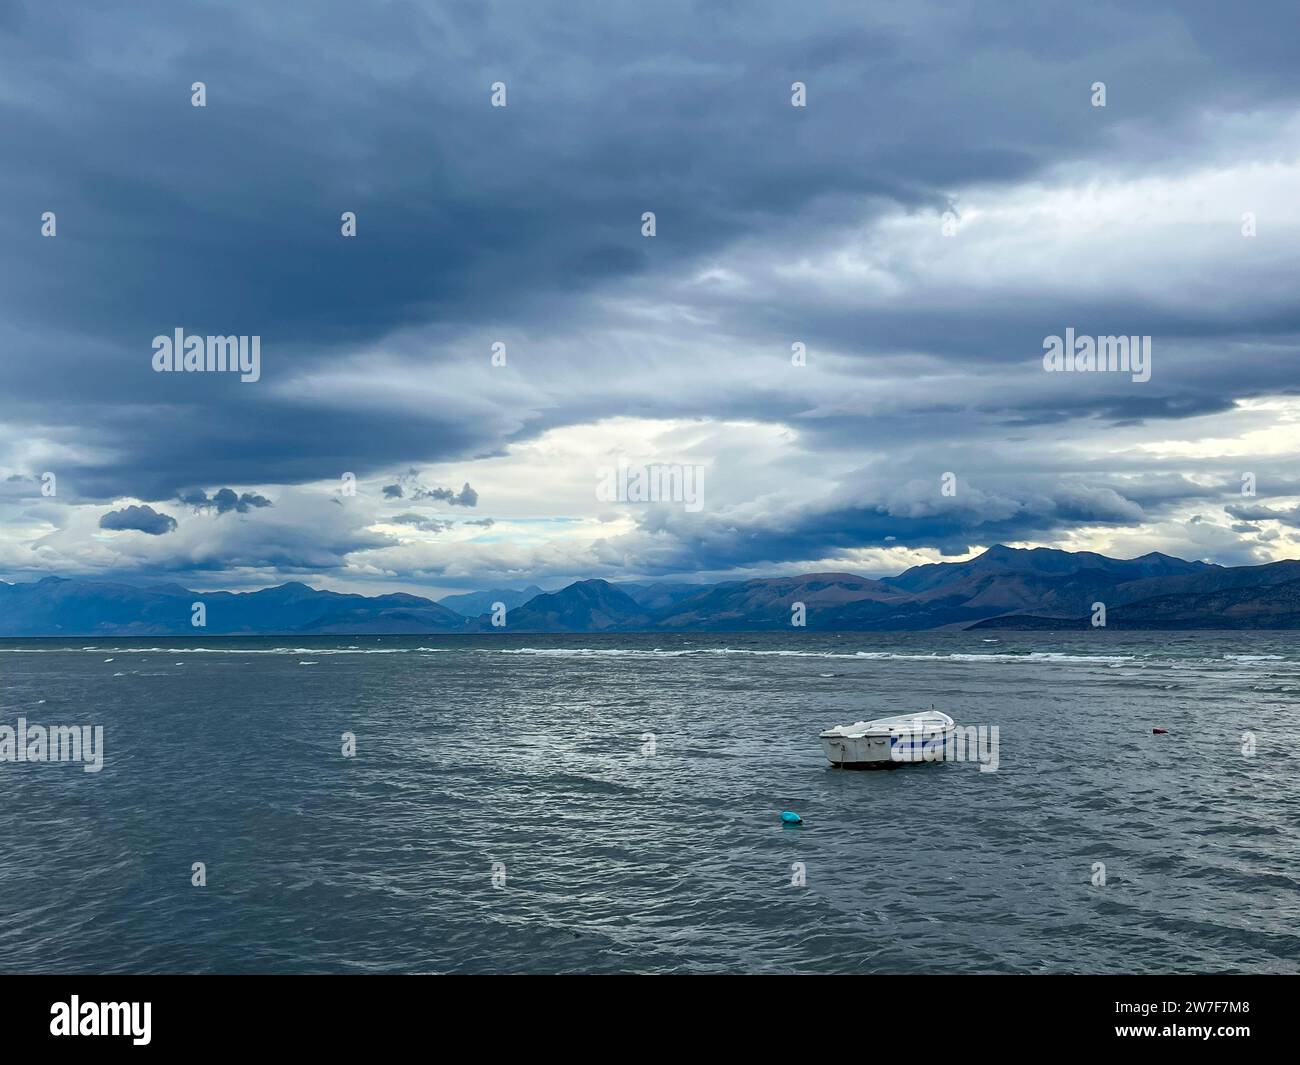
<point>934,723</point>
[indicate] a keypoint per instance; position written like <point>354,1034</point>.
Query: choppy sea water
<point>531,752</point>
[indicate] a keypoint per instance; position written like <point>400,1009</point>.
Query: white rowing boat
<point>889,741</point>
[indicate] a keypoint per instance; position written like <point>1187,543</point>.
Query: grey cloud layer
<point>522,224</point>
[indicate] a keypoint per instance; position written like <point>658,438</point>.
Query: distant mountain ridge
<point>1245,597</point>
<point>584,606</point>
<point>54,606</point>
<point>472,604</point>
<point>1002,588</point>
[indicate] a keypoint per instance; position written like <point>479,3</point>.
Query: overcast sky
<point>950,196</point>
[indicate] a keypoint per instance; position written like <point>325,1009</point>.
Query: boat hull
<point>884,752</point>
<point>867,752</point>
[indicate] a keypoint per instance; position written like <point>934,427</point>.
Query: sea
<point>612,803</point>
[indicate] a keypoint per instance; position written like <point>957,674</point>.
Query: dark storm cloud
<point>225,219</point>
<point>409,487</point>
<point>915,516</point>
<point>466,497</point>
<point>419,521</point>
<point>1029,506</point>
<point>1289,517</point>
<point>141,519</point>
<point>224,500</point>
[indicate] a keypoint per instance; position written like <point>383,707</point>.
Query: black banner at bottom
<point>344,1013</point>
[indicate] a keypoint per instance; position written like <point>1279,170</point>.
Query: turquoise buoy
<point>791,818</point>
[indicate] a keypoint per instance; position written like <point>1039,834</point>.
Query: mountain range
<point>1039,588</point>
